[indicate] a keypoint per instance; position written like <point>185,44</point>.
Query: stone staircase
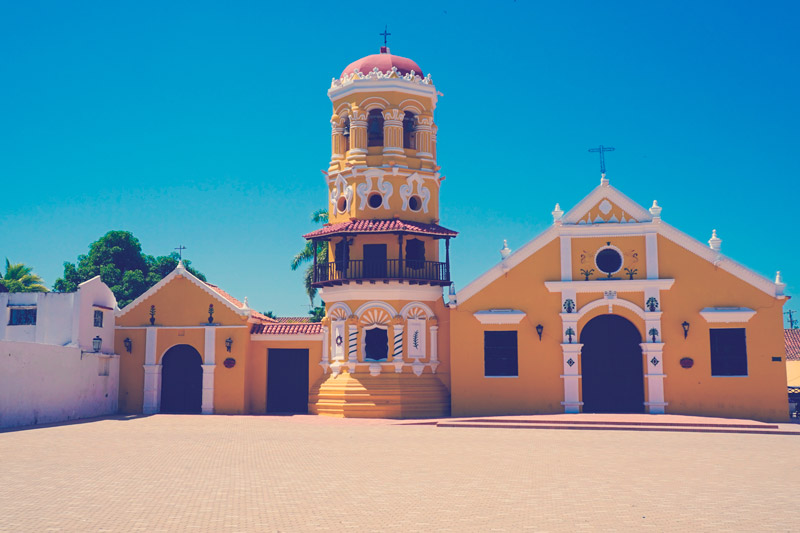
<point>388,395</point>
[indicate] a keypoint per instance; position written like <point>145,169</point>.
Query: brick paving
<point>217,473</point>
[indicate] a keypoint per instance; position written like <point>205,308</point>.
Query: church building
<point>611,309</point>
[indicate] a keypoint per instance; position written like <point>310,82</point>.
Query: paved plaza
<point>305,473</point>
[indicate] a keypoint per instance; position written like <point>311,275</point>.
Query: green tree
<point>118,259</point>
<point>20,278</point>
<point>306,255</point>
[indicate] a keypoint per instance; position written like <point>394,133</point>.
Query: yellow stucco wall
<point>699,284</point>
<point>793,373</point>
<point>181,315</point>
<point>539,388</point>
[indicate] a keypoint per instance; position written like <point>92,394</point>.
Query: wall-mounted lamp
<point>685,326</point>
<point>128,344</point>
<point>97,342</point>
<point>228,343</point>
<point>539,330</point>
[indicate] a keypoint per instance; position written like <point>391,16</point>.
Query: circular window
<point>414,203</point>
<point>375,200</point>
<point>341,204</point>
<point>608,260</point>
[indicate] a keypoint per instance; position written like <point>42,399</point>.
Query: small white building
<point>57,359</point>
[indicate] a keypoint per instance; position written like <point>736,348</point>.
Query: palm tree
<point>320,216</point>
<point>20,278</point>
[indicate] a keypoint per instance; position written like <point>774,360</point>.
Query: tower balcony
<point>358,270</point>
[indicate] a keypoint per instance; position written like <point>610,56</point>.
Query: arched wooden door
<point>611,366</point>
<point>181,380</point>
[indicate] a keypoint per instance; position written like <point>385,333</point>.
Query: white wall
<point>63,318</point>
<point>42,383</point>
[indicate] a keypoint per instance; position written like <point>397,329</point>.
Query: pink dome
<point>384,61</point>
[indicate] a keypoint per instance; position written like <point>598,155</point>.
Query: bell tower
<point>387,256</point>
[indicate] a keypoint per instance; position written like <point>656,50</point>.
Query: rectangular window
<point>22,317</point>
<point>98,319</point>
<point>500,353</point>
<point>728,352</point>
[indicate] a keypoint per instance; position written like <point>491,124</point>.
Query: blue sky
<point>207,123</point>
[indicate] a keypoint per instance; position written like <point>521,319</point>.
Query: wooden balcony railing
<point>338,272</point>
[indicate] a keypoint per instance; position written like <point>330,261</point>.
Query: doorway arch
<point>611,366</point>
<point>181,380</point>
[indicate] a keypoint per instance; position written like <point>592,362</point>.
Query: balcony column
<point>315,275</point>
<point>400,256</point>
<point>447,258</point>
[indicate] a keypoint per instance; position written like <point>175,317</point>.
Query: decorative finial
<point>246,306</point>
<point>603,180</point>
<point>557,214</point>
<point>715,243</point>
<point>655,210</point>
<point>778,278</point>
<point>780,286</point>
<point>505,251</point>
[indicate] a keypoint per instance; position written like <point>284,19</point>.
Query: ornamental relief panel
<point>414,187</point>
<point>383,187</point>
<point>341,189</point>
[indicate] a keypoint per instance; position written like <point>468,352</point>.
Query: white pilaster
<point>651,254</point>
<point>151,401</point>
<point>325,362</point>
<point>150,346</point>
<point>207,405</point>
<point>566,258</point>
<point>210,346</point>
<point>571,377</point>
<point>152,389</point>
<point>653,353</point>
<point>434,330</point>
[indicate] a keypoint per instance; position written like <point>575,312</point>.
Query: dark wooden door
<point>375,260</point>
<point>611,366</point>
<point>287,381</point>
<point>181,380</point>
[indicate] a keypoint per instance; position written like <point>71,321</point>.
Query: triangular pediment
<point>605,204</point>
<point>183,283</point>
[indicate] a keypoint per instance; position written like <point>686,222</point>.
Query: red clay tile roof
<point>393,225</point>
<point>792,339</point>
<point>293,319</point>
<point>237,303</point>
<point>308,328</point>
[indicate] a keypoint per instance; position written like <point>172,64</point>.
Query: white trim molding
<point>603,285</point>
<point>727,315</point>
<point>499,316</point>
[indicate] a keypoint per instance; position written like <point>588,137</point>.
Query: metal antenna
<point>601,149</point>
